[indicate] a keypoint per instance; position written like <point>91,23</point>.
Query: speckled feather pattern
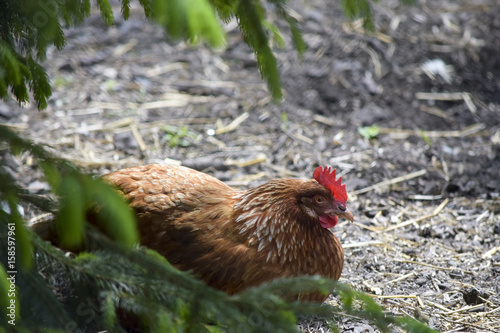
<point>231,239</point>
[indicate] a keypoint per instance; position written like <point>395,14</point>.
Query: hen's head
<point>328,204</point>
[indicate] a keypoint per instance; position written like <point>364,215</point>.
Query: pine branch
<point>250,15</point>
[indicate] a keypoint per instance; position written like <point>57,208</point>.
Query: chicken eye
<point>319,199</point>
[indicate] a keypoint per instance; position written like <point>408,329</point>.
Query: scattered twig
<point>433,266</point>
<point>470,105</point>
<point>301,137</point>
<point>245,180</point>
<point>233,125</point>
<point>113,126</point>
<point>374,229</point>
<point>436,305</point>
<point>425,197</point>
<point>330,121</point>
<point>425,217</point>
<point>13,126</point>
<point>351,156</point>
<point>470,325</point>
<point>402,277</point>
<point>475,129</point>
<point>124,48</point>
<point>362,244</point>
<point>195,121</point>
<point>40,218</point>
<point>165,69</point>
<point>168,103</point>
<point>392,181</point>
<point>375,60</point>
<point>375,290</point>
<point>490,253</point>
<point>261,157</point>
<point>435,111</point>
<point>440,96</point>
<point>465,96</point>
<point>209,84</point>
<point>394,296</point>
<point>465,308</point>
<point>169,100</point>
<point>138,137</point>
<point>419,300</point>
<point>118,123</point>
<point>283,172</point>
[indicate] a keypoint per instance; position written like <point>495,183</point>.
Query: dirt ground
<point>410,116</point>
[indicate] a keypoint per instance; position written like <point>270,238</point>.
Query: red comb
<point>326,177</point>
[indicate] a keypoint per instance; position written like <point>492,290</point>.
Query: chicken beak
<point>347,215</point>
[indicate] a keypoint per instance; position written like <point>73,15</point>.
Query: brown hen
<point>234,239</point>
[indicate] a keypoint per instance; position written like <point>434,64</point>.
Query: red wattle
<point>328,221</point>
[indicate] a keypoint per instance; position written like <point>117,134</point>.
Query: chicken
<point>234,239</point>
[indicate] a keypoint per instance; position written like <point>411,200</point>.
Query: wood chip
<point>403,277</point>
<point>490,253</point>
<point>375,290</point>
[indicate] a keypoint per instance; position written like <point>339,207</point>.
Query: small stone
<point>472,296</point>
<point>38,187</point>
<point>125,141</point>
<point>496,228</point>
<point>370,114</point>
<point>5,111</point>
<point>67,67</point>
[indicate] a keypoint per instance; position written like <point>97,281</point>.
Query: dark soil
<point>443,268</point>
